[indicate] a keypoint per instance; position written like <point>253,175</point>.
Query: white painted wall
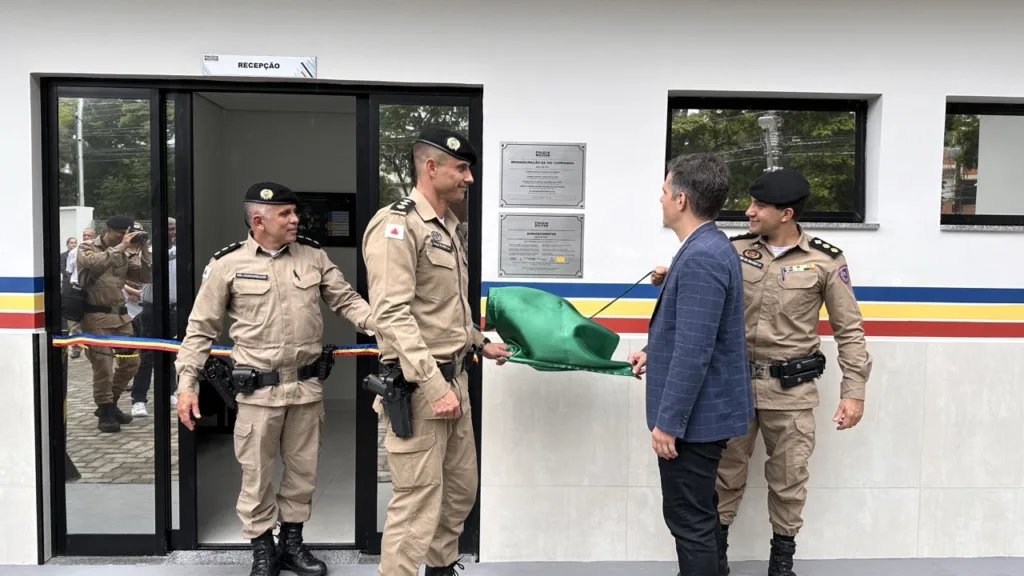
<point>600,72</point>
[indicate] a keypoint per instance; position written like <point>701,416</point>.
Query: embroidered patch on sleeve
<point>396,231</point>
<point>844,274</point>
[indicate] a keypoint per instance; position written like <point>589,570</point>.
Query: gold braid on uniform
<point>825,247</point>
<point>747,236</point>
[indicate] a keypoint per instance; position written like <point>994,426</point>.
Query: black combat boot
<point>294,554</point>
<point>119,415</point>
<point>781,561</point>
<point>264,556</point>
<point>723,546</point>
<point>444,571</point>
<point>108,419</point>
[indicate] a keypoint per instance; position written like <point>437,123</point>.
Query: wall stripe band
<point>888,310</point>
<point>916,312</point>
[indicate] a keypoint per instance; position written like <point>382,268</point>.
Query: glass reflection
<point>104,171</point>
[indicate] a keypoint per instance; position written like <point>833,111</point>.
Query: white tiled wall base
<point>18,534</point>
<point>934,469</point>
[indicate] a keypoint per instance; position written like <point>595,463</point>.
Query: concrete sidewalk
<point>189,566</point>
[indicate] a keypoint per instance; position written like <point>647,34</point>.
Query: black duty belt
<point>97,309</point>
<point>449,370</point>
<point>763,371</point>
<point>264,379</point>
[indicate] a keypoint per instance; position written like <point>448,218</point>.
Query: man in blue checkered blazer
<point>698,380</point>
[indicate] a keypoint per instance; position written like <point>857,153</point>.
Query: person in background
<point>103,267</point>
<point>146,325</point>
<point>698,382</point>
<point>70,267</point>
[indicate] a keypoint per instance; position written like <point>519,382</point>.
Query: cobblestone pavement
<point>125,457</point>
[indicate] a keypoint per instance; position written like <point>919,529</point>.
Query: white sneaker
<point>174,401</point>
<point>139,409</point>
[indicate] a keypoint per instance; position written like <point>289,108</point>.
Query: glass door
<point>386,175</point>
<point>107,154</point>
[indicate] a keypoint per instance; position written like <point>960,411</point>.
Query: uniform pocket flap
<point>441,258</point>
<point>251,286</point>
<point>306,280</point>
<point>409,445</point>
<point>798,280</point>
<point>243,429</point>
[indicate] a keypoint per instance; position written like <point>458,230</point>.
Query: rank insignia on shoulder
<point>747,236</point>
<point>825,247</point>
<point>307,241</point>
<point>403,206</point>
<point>227,250</point>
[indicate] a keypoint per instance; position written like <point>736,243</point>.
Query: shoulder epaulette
<point>403,206</point>
<point>227,250</point>
<point>746,236</point>
<point>825,247</point>
<point>307,241</point>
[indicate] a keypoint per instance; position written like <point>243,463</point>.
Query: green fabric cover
<point>546,332</point>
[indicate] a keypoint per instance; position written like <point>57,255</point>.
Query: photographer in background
<point>104,266</point>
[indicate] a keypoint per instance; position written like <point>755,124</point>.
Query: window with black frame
<point>981,152</point>
<point>823,139</point>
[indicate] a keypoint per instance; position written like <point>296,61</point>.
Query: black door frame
<point>180,91</point>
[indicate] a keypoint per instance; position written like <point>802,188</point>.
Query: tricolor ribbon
<point>162,345</point>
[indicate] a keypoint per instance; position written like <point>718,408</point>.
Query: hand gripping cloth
<point>546,332</point>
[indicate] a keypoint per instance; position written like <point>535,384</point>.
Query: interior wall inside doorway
<point>307,143</point>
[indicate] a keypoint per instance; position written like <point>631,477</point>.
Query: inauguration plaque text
<point>541,245</point>
<point>543,175</point>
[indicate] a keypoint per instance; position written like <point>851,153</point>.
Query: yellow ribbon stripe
<point>173,345</point>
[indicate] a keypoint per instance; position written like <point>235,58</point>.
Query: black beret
<point>271,193</point>
<point>450,141</point>
<point>120,223</point>
<point>780,187</point>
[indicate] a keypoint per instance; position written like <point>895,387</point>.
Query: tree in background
<point>821,145</point>
<point>116,156</point>
<point>399,126</point>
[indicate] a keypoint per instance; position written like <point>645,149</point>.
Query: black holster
<point>396,398</point>
<point>799,370</point>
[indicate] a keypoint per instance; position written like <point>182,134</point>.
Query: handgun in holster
<point>799,370</point>
<point>326,362</point>
<point>396,398</point>
<point>219,373</point>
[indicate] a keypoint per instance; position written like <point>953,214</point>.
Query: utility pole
<point>81,156</point>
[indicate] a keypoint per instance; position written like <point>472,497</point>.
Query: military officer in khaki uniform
<point>787,276</point>
<point>417,269</point>
<point>103,266</point>
<point>270,286</point>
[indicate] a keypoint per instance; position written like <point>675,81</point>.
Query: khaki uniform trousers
<point>434,483</point>
<point>261,432</point>
<point>111,375</point>
<point>789,442</point>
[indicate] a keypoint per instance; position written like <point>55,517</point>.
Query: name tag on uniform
<point>250,276</point>
<point>753,263</point>
<point>435,241</point>
<point>444,247</point>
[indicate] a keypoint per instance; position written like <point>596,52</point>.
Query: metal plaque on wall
<point>541,245</point>
<point>543,175</point>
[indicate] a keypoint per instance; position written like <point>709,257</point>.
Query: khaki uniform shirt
<point>103,272</point>
<point>274,303</point>
<point>782,299</point>
<point>418,274</point>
